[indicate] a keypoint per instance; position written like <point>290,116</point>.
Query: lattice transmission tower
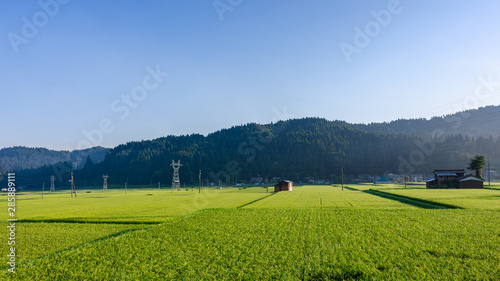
<point>176,182</point>
<point>105,183</point>
<point>52,183</point>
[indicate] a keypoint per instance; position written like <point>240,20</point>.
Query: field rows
<point>327,197</point>
<point>137,206</point>
<point>311,233</point>
<point>38,240</point>
<point>292,244</point>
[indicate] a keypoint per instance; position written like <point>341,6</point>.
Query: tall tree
<point>89,164</point>
<point>476,163</point>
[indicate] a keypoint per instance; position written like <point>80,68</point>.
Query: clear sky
<point>80,73</point>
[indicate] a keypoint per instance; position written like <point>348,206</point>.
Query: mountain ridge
<point>21,157</point>
<point>294,149</point>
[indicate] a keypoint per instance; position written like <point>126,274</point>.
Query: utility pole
<point>52,181</point>
<point>105,184</point>
<point>405,180</point>
<point>199,182</point>
<point>73,189</point>
<point>489,172</point>
<point>43,187</point>
<point>342,172</point>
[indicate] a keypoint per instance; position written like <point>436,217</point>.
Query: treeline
<point>293,149</point>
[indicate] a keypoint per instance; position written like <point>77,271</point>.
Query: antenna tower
<point>176,183</point>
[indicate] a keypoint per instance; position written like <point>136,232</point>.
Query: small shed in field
<point>284,185</point>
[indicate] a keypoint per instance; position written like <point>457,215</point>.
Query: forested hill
<point>484,122</point>
<point>294,149</point>
<point>19,157</point>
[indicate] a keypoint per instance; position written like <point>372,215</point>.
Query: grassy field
<point>41,240</point>
<point>136,206</point>
<point>311,233</point>
<point>331,197</point>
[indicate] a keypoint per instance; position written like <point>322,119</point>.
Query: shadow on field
<point>246,204</point>
<point>420,203</point>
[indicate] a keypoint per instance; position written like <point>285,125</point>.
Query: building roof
<point>445,174</point>
<point>470,178</point>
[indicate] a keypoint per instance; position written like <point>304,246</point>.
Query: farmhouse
<point>454,179</point>
<point>284,185</point>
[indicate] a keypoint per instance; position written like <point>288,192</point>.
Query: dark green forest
<point>293,149</point>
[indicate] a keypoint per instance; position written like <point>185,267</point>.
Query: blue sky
<point>74,73</point>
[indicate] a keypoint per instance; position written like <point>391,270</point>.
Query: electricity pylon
<point>52,183</point>
<point>176,183</point>
<point>105,184</point>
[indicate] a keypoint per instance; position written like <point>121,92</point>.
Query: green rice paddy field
<point>364,232</point>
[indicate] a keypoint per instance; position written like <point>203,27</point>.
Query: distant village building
<point>454,179</point>
<point>417,178</point>
<point>257,180</point>
<point>276,179</point>
<point>381,180</point>
<point>284,185</point>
